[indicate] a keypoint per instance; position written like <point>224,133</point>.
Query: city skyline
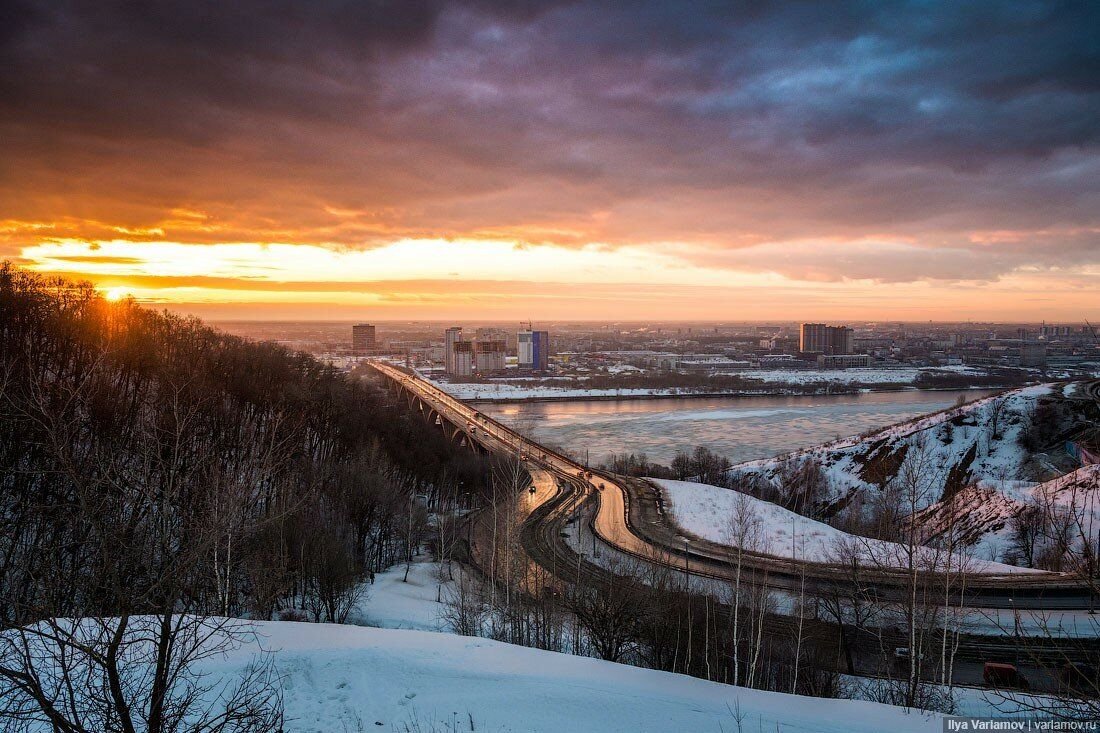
<point>606,161</point>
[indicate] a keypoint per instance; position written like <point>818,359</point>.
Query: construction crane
<point>1092,330</point>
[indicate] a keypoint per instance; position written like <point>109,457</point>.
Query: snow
<point>903,375</point>
<point>392,603</point>
<point>343,677</point>
<point>983,511</point>
<point>566,387</point>
<point>958,438</point>
<point>706,511</point>
<point>503,391</point>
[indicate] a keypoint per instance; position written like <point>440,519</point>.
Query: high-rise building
<point>489,355</point>
<point>812,337</point>
<point>841,340</point>
<point>533,349</point>
<point>451,337</point>
<point>363,339</point>
<point>462,357</point>
<point>817,338</point>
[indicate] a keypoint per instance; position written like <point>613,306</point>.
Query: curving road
<point>629,518</point>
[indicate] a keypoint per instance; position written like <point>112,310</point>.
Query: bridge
<point>628,518</point>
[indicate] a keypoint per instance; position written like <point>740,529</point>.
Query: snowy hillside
<point>708,512</point>
<point>353,678</point>
<point>960,439</point>
<point>972,457</point>
<point>985,515</point>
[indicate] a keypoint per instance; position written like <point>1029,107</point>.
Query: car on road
<point>1004,676</point>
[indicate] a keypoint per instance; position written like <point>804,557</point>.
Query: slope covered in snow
<point>960,438</point>
<point>353,678</point>
<point>712,512</point>
<point>992,515</point>
<point>989,448</point>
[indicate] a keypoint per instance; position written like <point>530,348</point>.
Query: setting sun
<point>116,294</point>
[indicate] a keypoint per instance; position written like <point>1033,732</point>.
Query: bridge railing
<point>424,385</point>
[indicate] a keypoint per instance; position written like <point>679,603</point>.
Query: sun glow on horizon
<point>438,278</point>
<point>116,294</point>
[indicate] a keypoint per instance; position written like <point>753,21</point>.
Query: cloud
<point>988,257</point>
<point>721,127</point>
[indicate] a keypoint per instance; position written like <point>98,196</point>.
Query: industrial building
<point>843,361</point>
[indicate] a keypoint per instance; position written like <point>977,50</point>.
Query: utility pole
<point>1015,631</point>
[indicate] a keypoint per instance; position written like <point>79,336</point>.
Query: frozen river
<point>741,428</point>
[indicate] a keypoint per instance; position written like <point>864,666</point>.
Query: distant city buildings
<point>818,338</point>
<point>363,339</point>
<point>1033,354</point>
<point>844,361</point>
<point>451,337</point>
<point>533,350</point>
<point>486,354</point>
<point>586,350</point>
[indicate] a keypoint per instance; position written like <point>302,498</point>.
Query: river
<point>740,428</point>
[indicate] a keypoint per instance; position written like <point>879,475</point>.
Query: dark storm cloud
<point>723,123</point>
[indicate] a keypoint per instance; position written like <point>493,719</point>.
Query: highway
<point>630,519</point>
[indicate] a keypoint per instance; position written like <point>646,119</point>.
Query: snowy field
<point>338,678</point>
<point>392,603</point>
<point>348,678</point>
<point>708,512</point>
<point>560,387</point>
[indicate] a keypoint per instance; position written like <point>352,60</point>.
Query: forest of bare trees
<point>157,474</point>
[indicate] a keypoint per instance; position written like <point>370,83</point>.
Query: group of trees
<point>702,465</point>
<point>153,469</point>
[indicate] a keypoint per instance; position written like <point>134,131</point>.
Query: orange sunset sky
<point>606,160</point>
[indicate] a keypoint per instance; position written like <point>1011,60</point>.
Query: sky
<point>609,159</point>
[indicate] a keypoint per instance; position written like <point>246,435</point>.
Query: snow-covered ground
<point>392,603</point>
<point>710,512</point>
<point>339,678</point>
<point>505,391</point>
<point>900,375</point>
<point>357,678</point>
<point>983,512</point>
<point>563,387</point>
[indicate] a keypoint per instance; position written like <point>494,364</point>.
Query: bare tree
<point>133,673</point>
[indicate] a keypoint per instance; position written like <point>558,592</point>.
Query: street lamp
<point>1015,630</point>
<point>687,560</point>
